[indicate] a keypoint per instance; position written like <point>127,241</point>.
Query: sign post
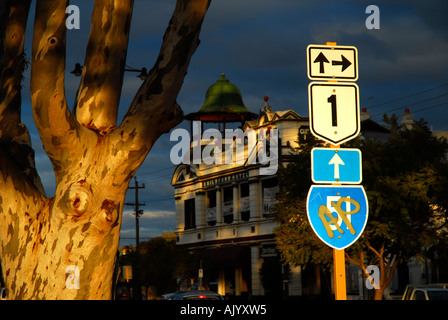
<point>337,213</point>
<point>340,290</point>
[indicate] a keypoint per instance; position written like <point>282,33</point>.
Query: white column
<point>180,223</point>
<point>222,282</point>
<point>295,281</point>
<point>236,203</point>
<point>238,280</point>
<point>218,206</point>
<point>255,199</point>
<point>256,261</point>
<point>200,209</point>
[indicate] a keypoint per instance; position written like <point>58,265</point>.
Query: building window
<point>190,214</point>
<point>211,208</point>
<point>270,189</point>
<point>245,202</point>
<point>227,206</point>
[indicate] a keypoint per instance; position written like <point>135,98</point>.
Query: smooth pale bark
<point>104,64</point>
<point>42,238</point>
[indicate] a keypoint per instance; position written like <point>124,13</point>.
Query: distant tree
<point>93,156</point>
<point>160,263</point>
<point>406,181</point>
<point>155,264</point>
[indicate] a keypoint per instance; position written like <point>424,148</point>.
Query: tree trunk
<point>387,270</point>
<point>65,247</point>
<point>378,294</point>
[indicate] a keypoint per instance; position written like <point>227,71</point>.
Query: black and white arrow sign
<point>332,63</point>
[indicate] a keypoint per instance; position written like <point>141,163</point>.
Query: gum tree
<point>93,156</point>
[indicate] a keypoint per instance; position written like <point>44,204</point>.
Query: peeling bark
<point>102,78</point>
<point>14,135</point>
<point>93,159</point>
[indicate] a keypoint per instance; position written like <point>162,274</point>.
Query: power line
<point>428,107</point>
<point>156,171</point>
<point>432,107</point>
<point>165,199</point>
<point>159,177</point>
<point>413,103</point>
<point>408,96</point>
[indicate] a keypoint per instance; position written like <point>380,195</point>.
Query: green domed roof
<point>223,102</point>
<point>223,96</point>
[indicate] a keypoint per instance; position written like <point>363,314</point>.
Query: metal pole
<point>340,290</point>
<point>137,227</point>
<point>201,275</point>
<point>138,212</point>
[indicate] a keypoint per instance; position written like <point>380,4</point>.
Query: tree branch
<point>374,251</point>
<point>57,127</point>
<point>154,110</point>
<point>387,280</point>
<point>102,78</point>
<point>14,136</point>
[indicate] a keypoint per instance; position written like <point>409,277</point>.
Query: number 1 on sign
<point>334,114</point>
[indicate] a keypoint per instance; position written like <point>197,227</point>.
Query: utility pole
<point>138,212</point>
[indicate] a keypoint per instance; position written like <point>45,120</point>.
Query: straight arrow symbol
<point>321,59</point>
<point>336,161</point>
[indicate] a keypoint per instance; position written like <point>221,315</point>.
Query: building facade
<point>224,210</point>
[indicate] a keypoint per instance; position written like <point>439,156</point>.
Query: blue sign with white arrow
<point>337,214</point>
<point>336,165</point>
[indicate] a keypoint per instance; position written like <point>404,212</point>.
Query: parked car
<point>3,294</point>
<point>410,289</point>
<point>429,294</point>
<point>193,295</point>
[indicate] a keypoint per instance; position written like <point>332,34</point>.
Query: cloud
<point>433,14</point>
<point>152,224</point>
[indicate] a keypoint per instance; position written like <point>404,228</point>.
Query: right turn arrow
<point>344,63</point>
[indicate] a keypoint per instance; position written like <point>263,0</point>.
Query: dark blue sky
<point>261,47</point>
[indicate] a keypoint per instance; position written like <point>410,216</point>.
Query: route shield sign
<point>337,214</point>
<point>332,62</point>
<point>334,111</point>
<point>336,165</point>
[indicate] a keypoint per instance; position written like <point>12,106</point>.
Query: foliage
<point>159,264</point>
<point>295,238</point>
<point>406,181</point>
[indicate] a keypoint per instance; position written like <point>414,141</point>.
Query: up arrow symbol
<point>321,59</point>
<point>337,161</point>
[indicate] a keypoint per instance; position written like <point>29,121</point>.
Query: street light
<point>142,75</point>
<point>78,70</point>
